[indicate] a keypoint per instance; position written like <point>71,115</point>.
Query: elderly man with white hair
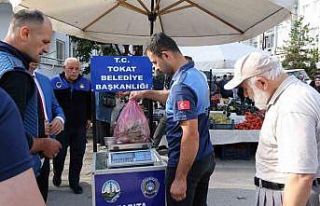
<point>287,157</point>
<point>73,92</point>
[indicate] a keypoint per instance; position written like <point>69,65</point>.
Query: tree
<point>301,50</point>
<point>85,49</point>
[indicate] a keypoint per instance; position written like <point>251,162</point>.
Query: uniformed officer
<point>191,160</point>
<point>72,91</point>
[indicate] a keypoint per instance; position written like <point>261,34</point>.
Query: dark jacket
<point>17,82</point>
<point>74,98</point>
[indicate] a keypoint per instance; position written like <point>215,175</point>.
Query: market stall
<point>234,129</point>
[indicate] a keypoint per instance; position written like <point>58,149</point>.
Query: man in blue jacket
<point>28,37</point>
<point>53,111</point>
<point>73,93</point>
<point>54,118</point>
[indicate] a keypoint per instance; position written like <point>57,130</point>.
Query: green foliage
<point>108,50</point>
<point>301,50</point>
<point>85,49</point>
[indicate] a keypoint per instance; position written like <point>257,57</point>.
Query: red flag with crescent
<point>184,105</point>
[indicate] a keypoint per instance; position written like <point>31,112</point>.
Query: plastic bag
<point>132,125</point>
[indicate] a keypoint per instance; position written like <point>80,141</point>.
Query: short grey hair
<point>25,17</point>
<point>272,74</point>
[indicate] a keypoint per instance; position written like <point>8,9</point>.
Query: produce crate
<point>239,151</point>
<point>222,126</point>
<point>228,125</point>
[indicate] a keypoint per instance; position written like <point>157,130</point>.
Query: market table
<point>232,136</point>
<point>234,144</point>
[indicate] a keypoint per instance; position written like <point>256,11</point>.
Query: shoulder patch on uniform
<point>58,85</point>
<point>183,105</point>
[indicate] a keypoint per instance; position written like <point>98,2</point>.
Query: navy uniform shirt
<point>188,99</point>
<point>15,157</point>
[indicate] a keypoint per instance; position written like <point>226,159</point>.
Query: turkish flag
<point>184,105</point>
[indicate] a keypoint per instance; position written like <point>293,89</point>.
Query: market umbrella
<point>189,22</point>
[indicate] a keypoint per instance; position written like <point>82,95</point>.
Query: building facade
<point>273,39</point>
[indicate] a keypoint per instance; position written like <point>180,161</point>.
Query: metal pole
<point>94,124</point>
<point>152,18</point>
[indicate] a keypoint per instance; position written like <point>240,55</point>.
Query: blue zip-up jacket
<point>19,84</point>
<point>53,108</point>
<point>74,98</point>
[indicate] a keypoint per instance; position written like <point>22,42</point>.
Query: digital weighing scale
<point>131,158</point>
<point>128,177</point>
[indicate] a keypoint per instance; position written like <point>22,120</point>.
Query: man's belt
<point>268,185</point>
<point>275,186</point>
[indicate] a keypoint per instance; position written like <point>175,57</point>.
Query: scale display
<point>130,158</point>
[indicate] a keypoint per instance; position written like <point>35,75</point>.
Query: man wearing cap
<point>287,157</point>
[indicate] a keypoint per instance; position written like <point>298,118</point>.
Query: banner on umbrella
<point>121,73</point>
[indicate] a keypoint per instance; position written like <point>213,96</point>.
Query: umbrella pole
<point>152,17</point>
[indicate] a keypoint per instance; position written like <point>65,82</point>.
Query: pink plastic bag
<point>132,125</point>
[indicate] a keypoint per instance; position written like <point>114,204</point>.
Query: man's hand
<point>46,127</point>
<point>178,190</point>
<point>137,95</point>
<point>56,126</point>
<point>188,151</point>
<point>50,147</point>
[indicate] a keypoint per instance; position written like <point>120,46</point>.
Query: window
<point>269,41</point>
<point>60,45</point>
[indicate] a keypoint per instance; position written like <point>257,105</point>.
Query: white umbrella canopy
<point>218,56</point>
<point>189,22</point>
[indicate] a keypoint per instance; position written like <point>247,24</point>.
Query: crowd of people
<point>51,115</point>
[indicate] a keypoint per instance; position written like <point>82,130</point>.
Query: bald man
<point>72,91</point>
<point>28,37</point>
